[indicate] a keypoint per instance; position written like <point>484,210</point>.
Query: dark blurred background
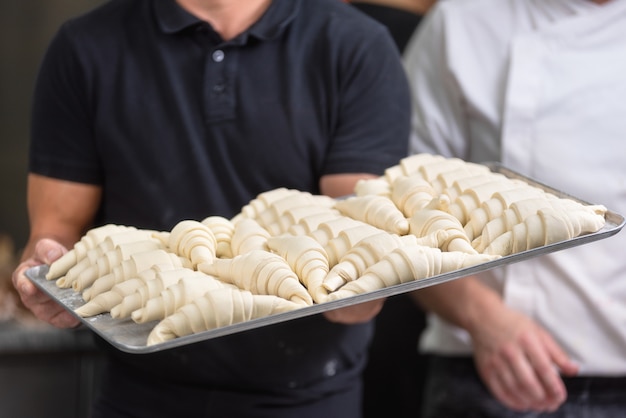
<point>44,372</point>
<point>26,27</point>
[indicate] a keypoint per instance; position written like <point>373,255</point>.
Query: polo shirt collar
<point>172,18</point>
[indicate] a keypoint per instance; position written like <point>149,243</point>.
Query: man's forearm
<point>464,302</point>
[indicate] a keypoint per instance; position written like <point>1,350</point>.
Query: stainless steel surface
<point>128,336</point>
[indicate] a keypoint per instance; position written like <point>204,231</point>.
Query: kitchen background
<point>44,372</point>
<point>26,28</point>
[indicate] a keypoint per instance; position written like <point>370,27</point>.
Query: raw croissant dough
<point>151,283</point>
<point>377,211</point>
<point>110,299</point>
<point>546,227</point>
<point>223,230</point>
<point>432,218</point>
<point>288,249</point>
<point>370,250</point>
<point>262,273</point>
<point>110,259</point>
<point>131,268</point>
<point>307,258</point>
<point>175,296</point>
<point>92,239</point>
<point>217,309</point>
<point>408,263</point>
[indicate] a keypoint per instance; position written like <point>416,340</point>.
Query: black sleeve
<point>373,122</point>
<point>62,143</point>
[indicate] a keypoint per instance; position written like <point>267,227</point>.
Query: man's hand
<point>355,314</point>
<point>42,306</point>
<point>516,358</point>
<point>520,362</point>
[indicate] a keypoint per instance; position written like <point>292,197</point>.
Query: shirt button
<point>218,55</point>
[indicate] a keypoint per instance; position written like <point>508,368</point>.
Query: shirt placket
<point>219,89</point>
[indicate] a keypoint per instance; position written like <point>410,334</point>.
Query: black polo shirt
<point>145,100</point>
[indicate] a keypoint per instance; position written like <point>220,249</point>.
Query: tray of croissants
<point>288,253</point>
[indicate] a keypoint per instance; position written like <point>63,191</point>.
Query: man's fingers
<point>545,382</point>
<point>523,377</point>
<point>529,387</point>
<point>47,251</point>
<point>64,319</point>
<point>501,386</point>
<point>22,284</point>
<point>559,357</point>
<point>51,312</point>
<point>39,303</point>
<point>355,314</point>
<point>522,382</point>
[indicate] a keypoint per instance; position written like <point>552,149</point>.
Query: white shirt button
<point>218,55</point>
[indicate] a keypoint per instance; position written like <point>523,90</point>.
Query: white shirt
<point>539,85</point>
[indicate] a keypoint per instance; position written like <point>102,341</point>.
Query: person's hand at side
<point>517,359</point>
<point>520,362</point>
<point>43,307</point>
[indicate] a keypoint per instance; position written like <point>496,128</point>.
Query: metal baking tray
<point>130,337</point>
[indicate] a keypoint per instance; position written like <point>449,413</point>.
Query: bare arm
<point>60,213</point>
<point>464,302</point>
<point>337,185</point>
<point>516,358</point>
